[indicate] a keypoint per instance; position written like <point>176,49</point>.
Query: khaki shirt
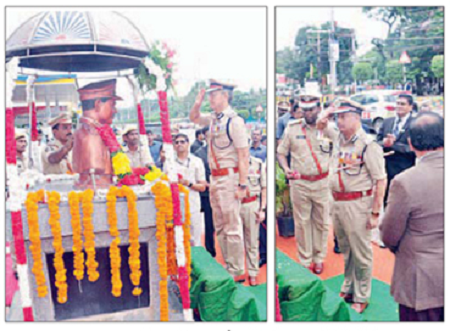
<point>360,177</point>
<point>220,144</point>
<point>294,143</point>
<point>138,159</point>
<point>256,176</point>
<point>62,167</point>
<point>22,164</point>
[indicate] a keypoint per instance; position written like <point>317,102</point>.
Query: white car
<point>378,104</point>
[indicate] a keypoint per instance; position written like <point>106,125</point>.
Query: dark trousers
<point>263,240</point>
<point>209,225</point>
<point>429,315</point>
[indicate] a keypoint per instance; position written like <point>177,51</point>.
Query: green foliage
<point>283,203</point>
<point>417,30</point>
<point>394,72</point>
<point>362,72</point>
<point>180,107</point>
<point>147,80</point>
<point>243,113</point>
<point>437,66</point>
<point>296,63</point>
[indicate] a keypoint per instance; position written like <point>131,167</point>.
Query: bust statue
<point>91,156</point>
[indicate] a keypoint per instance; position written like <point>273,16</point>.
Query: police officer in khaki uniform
<point>253,212</point>
<point>21,147</point>
<point>308,173</point>
<point>358,185</point>
<point>136,153</point>
<point>229,162</point>
<point>57,156</point>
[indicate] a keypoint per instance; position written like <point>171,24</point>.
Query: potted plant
<point>284,213</point>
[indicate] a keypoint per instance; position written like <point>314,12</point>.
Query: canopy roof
<point>77,41</point>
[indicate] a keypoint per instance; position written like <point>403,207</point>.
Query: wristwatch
<point>190,185</point>
<point>242,186</point>
<point>263,209</point>
<point>376,214</point>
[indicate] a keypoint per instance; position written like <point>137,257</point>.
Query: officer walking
<point>253,212</point>
<point>57,156</point>
<point>308,174</point>
<point>358,187</point>
<point>229,162</point>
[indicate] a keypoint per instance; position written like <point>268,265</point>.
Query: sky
<point>289,20</point>
<point>222,43</point>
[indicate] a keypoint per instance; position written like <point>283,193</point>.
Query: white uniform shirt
<point>193,170</point>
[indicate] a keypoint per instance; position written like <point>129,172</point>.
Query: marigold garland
<point>187,230</point>
<point>114,250</point>
<point>89,236</point>
<point>61,279</point>
<point>134,260</point>
<point>78,254</point>
<point>163,206</point>
<point>31,205</point>
<point>171,257</point>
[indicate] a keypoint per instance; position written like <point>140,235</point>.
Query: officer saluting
<point>229,161</point>
<point>358,185</point>
<point>308,174</point>
<point>57,156</point>
<point>253,212</point>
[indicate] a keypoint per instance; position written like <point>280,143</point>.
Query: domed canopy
<point>77,41</point>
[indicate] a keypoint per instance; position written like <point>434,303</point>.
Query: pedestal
<point>44,308</point>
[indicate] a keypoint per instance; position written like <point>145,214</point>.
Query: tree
<point>362,71</point>
<point>437,66</point>
<point>296,63</point>
<point>417,30</point>
<point>394,72</point>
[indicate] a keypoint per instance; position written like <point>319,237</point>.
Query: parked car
<point>379,104</point>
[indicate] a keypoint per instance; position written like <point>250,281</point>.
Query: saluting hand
<point>200,97</point>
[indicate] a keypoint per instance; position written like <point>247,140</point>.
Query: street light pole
<point>332,60</point>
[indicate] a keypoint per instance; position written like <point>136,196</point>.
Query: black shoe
<point>262,262</point>
<point>337,250</point>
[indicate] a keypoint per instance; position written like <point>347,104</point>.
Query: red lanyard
<point>319,168</point>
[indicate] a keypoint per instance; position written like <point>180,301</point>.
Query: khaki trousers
<point>311,217</point>
<point>227,222</point>
<point>350,219</point>
<point>251,236</point>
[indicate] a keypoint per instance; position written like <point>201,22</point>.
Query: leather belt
<point>314,178</point>
<point>223,171</point>
<point>349,196</point>
<point>249,199</point>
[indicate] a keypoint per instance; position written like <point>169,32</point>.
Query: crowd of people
<point>224,169</point>
<point>341,174</point>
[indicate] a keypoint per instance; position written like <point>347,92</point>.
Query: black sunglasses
<point>180,142</point>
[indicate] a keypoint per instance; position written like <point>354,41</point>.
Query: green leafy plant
<point>283,201</point>
<point>162,58</point>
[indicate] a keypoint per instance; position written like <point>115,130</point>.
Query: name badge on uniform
<point>302,136</point>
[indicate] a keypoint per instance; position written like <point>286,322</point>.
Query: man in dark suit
<point>199,140</point>
<point>393,136</point>
<point>413,225</point>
